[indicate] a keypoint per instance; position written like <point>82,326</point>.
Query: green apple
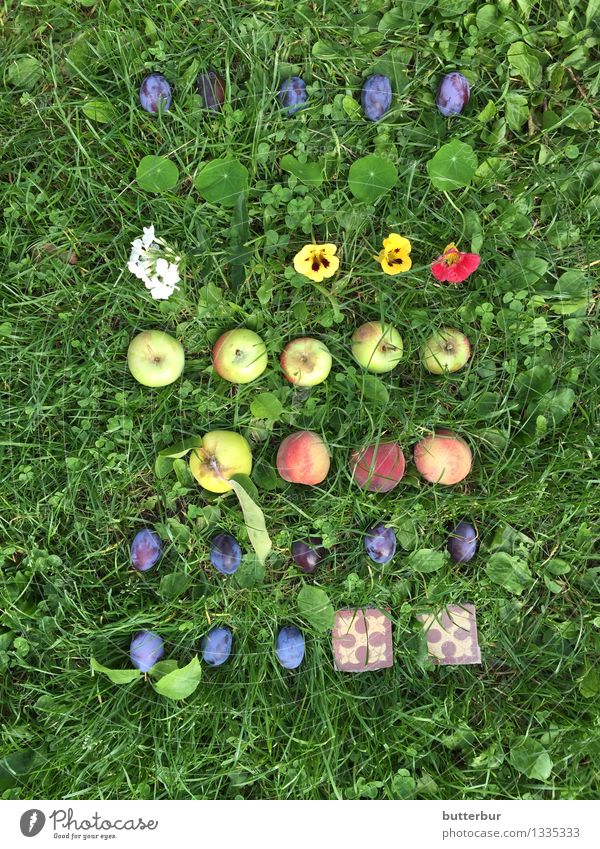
<point>446,350</point>
<point>306,361</point>
<point>377,347</point>
<point>223,454</point>
<point>239,356</point>
<point>155,358</point>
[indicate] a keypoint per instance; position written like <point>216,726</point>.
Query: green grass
<point>79,437</point>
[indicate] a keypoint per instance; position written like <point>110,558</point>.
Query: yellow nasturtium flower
<point>394,257</point>
<point>317,261</point>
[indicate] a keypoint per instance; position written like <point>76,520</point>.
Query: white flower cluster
<point>155,263</point>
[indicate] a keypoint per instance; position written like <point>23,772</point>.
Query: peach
<point>379,467</point>
<point>443,457</point>
<point>303,457</point>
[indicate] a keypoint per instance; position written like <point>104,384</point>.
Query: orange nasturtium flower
<point>317,261</point>
<point>394,257</point>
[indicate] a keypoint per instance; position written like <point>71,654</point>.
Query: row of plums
<point>147,647</point>
<point>376,96</point>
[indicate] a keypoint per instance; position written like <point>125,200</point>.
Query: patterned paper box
<point>452,635</point>
<point>362,640</point>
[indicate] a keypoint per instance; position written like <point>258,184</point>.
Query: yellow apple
<point>222,455</point>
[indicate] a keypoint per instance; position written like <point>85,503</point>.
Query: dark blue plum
<point>216,646</point>
<point>453,94</point>
<point>462,542</point>
<point>376,97</point>
<point>380,543</point>
<point>155,90</point>
<point>307,554</point>
<point>211,87</point>
<point>289,647</point>
<point>225,554</point>
<point>146,649</point>
<point>293,95</point>
<point>146,549</point>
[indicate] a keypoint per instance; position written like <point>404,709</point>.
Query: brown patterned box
<point>452,635</point>
<point>362,640</point>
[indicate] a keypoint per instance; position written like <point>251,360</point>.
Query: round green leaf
<point>25,72</point>
<point>222,181</point>
<point>426,560</point>
<point>371,177</point>
<point>315,606</point>
<point>157,174</point>
<point>101,111</point>
<point>453,166</point>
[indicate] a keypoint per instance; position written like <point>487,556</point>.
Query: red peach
<point>443,457</point>
<point>379,467</point>
<point>303,457</point>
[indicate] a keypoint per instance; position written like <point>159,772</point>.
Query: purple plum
<point>376,97</point>
<point>462,542</point>
<point>146,549</point>
<point>155,90</point>
<point>146,649</point>
<point>211,87</point>
<point>225,554</point>
<point>293,95</point>
<point>307,554</point>
<point>453,94</point>
<point>216,646</point>
<point>380,543</point>
<point>289,647</point>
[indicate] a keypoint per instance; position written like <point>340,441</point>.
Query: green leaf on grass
<point>25,72</point>
<point>162,668</point>
<point>554,405</point>
<point>453,166</point>
<point>509,571</point>
<point>530,758</point>
<point>572,293</point>
<point>253,517</point>
<point>516,111</point>
<point>222,181</point>
<point>117,676</point>
<point>407,534</point>
<point>589,686</point>
<point>371,177</point>
<point>309,173</point>
<point>181,682</point>
<point>100,111</point>
<point>533,383</point>
<point>180,449</point>
<point>266,405</point>
<point>251,572</point>
<point>163,466</point>
<point>316,608</point>
<point>157,174</point>
<point>173,585</point>
<point>524,62</point>
<point>375,391</point>
<point>426,560</point>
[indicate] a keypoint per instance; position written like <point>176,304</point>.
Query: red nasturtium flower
<point>453,266</point>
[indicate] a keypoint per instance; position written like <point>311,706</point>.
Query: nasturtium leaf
<point>371,177</point>
<point>453,166</point>
<point>309,173</point>
<point>181,682</point>
<point>251,572</point>
<point>117,676</point>
<point>180,449</point>
<point>253,517</point>
<point>530,758</point>
<point>516,111</point>
<point>509,571</point>
<point>524,62</point>
<point>157,174</point>
<point>221,181</point>
<point>100,111</point>
<point>375,391</point>
<point>173,585</point>
<point>316,608</point>
<point>25,72</point>
<point>266,405</point>
<point>426,560</point>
